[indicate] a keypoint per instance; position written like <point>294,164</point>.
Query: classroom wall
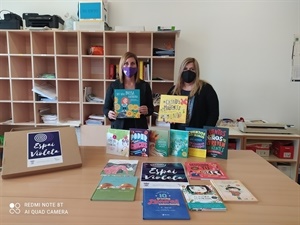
<point>244,47</point>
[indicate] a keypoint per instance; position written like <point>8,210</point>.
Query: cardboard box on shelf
<point>285,168</point>
<point>283,149</point>
<point>262,149</point>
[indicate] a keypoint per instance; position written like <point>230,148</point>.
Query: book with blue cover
<point>164,204</point>
<point>139,142</point>
<point>127,103</point>
<point>197,142</point>
<point>217,142</point>
<point>179,143</point>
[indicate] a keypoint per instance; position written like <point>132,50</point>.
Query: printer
<point>34,20</point>
<point>261,126</point>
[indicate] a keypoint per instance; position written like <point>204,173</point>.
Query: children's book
<point>127,103</point>
<point>119,167</point>
<point>217,142</point>
<point>202,198</point>
<point>139,142</point>
<point>173,108</point>
<point>233,190</point>
<point>164,204</point>
<point>113,188</point>
<point>179,145</point>
<point>117,142</point>
<point>162,175</point>
<point>197,142</point>
<point>159,142</point>
<point>204,170</point>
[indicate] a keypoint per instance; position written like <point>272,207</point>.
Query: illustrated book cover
<point>233,190</point>
<point>204,170</point>
<point>202,198</point>
<point>164,204</point>
<point>159,142</point>
<point>127,103</point>
<point>162,175</point>
<point>173,108</point>
<point>114,188</point>
<point>120,167</point>
<point>179,143</point>
<point>197,142</point>
<point>217,142</point>
<point>139,142</point>
<point>117,142</point>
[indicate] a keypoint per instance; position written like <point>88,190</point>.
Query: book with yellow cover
<point>173,108</point>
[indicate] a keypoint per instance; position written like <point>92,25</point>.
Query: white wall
<point>244,47</point>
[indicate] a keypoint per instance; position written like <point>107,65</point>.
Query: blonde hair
<point>198,82</point>
<point>123,59</point>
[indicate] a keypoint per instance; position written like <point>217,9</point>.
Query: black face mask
<point>188,76</point>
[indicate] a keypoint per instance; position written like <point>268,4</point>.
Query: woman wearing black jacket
<point>129,79</point>
<point>203,105</point>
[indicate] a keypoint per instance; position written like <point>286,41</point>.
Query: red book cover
<point>205,171</point>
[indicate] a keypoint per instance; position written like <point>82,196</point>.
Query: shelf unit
<point>26,55</point>
<point>244,138</point>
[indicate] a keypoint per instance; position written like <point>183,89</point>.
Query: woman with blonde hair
<point>203,103</point>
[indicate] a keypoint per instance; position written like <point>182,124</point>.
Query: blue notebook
<point>164,204</point>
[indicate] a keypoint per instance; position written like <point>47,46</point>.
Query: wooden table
<point>64,197</point>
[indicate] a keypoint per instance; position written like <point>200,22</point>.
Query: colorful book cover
<point>179,143</point>
<point>217,142</point>
<point>119,167</point>
<point>173,108</point>
<point>162,175</point>
<point>117,142</point>
<point>202,198</point>
<point>139,142</point>
<point>204,170</point>
<point>159,142</point>
<point>197,142</point>
<point>127,103</point>
<point>113,188</point>
<point>164,204</point>
<point>233,190</point>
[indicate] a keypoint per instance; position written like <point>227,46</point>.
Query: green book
<point>127,103</point>
<point>115,188</point>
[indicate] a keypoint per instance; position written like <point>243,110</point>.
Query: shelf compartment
<point>44,108</point>
<point>115,43</point>
<point>89,109</point>
<point>92,68</point>
<point>89,39</point>
<point>23,113</point>
<point>164,40</point>
<point>68,91</point>
<point>3,41</point>
<point>140,44</point>
<point>67,67</point>
<point>161,87</point>
<point>4,72</point>
<point>43,65</point>
<point>68,113</point>
<point>20,67</point>
<point>97,89</point>
<point>66,43</point>
<point>5,112</point>
<point>111,61</point>
<point>19,42</point>
<point>163,68</point>
<point>43,42</point>
<point>22,90</point>
<point>4,90</point>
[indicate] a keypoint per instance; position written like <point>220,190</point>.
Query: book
<point>162,175</point>
<point>119,167</point>
<point>179,140</point>
<point>112,188</point>
<point>173,108</point>
<point>139,142</point>
<point>164,204</point>
<point>127,103</point>
<point>202,198</point>
<point>197,142</point>
<point>217,142</point>
<point>233,190</point>
<point>159,142</point>
<point>204,170</point>
<point>117,142</point>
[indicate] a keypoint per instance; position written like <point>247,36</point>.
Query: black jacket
<point>145,98</point>
<point>205,109</point>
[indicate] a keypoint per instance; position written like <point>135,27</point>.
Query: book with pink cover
<point>204,170</point>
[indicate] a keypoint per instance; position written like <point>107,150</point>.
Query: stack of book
<point>95,120</point>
